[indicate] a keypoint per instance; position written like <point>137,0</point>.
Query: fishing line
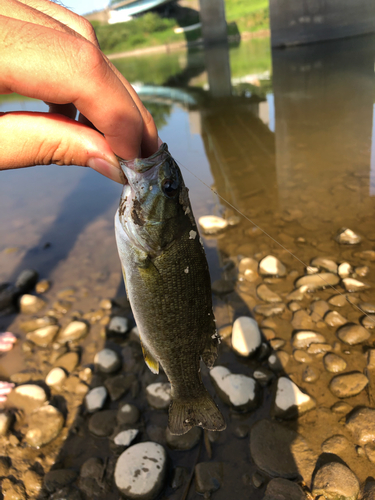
<point>272,238</point>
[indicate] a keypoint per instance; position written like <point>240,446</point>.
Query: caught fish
<point>168,285</point>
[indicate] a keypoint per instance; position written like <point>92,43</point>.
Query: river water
<point>287,138</point>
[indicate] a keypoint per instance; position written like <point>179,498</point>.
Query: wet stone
<point>310,374</point>
<point>33,324</point>
<point>248,264</point>
<point>208,477</point>
<point>107,360</point>
<point>369,490</point>
<point>302,320</point>
<point>128,414</point>
<point>257,479</point>
<point>294,306</point>
<point>335,444</point>
<point>368,321</point>
<point>283,489</point>
<point>348,384</point>
<point>211,224</point>
<point>56,377</point>
<point>303,339</point>
<point>362,271</point>
<point>370,452</point>
<point>26,280</point>
<point>13,491</point>
<point>140,471</point>
<point>353,334</point>
<point>290,401</point>
<point>269,310</point>
<point>246,338</point>
<point>271,266</point>
<point>74,331</point>
<point>66,493</point>
<point>338,300</point>
<point>239,391</point>
<point>179,477</point>
<point>102,423</point>
<point>117,386</point>
<point>335,481</point>
<point>268,334</point>
<point>318,281</point>
<point>347,237</point>
<point>298,294</point>
<point>69,361</point>
<point>264,293</point>
<point>345,270</point>
<point>367,307</point>
<point>57,479</point>
<point>42,286</point>
<point>277,344</point>
<point>341,407</point>
<point>334,318</point>
<point>125,438</point>
<point>334,363</point>
<point>33,483</point>
<point>27,397</point>
<point>278,361</point>
<point>62,306</point>
<point>302,356</point>
<point>319,309</point>
<point>118,325</point>
<point>30,304</point>
<point>159,395</point>
<point>319,348</point>
<point>5,423</point>
<point>95,399</point>
<point>43,337</point>
<point>263,376</point>
<point>4,466</point>
<point>186,441</point>
<point>361,423</point>
<point>324,263</point>
<point>353,285</point>
<point>44,425</point>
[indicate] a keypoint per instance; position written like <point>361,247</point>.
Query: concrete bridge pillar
<point>214,25</point>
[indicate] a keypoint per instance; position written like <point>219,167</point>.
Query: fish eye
<point>170,187</point>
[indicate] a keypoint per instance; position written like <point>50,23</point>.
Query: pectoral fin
<point>151,362</point>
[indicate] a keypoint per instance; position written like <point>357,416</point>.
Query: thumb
<point>28,139</point>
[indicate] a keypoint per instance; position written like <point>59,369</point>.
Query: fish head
<point>154,208</point>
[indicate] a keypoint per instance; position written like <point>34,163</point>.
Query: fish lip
<point>142,165</point>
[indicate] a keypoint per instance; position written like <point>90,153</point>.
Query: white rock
<point>239,390</point>
<point>125,438</point>
<point>5,422</point>
<point>55,377</point>
<point>324,263</point>
<point>118,324</point>
<point>345,270</point>
<point>107,360</point>
<point>27,397</point>
<point>352,285</point>
<point>141,471</point>
<point>290,400</point>
<point>95,398</point>
<point>211,224</point>
<point>30,304</point>
<point>32,391</point>
<point>312,270</point>
<point>246,337</point>
<point>347,237</point>
<point>271,266</point>
<point>302,339</point>
<point>317,281</point>
<point>73,331</point>
<point>159,395</point>
<point>248,264</point>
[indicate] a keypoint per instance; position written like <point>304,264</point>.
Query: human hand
<point>52,54</point>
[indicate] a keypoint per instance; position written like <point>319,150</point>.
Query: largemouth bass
<point>168,285</point>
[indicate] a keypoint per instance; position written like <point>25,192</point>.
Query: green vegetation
<point>249,15</point>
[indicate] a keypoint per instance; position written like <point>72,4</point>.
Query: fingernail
<point>107,169</point>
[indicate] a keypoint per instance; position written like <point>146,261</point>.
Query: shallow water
<point>288,141</point>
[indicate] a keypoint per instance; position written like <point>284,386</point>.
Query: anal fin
<point>150,361</point>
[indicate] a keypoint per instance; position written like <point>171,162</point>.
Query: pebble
<point>44,425</point>
<point>56,377</point>
<point>348,384</point>
<point>345,270</point>
<point>269,310</point>
<point>361,423</point>
<point>159,395</point>
<point>277,343</point>
<point>278,360</point>
<point>102,422</point>
<point>338,300</point>
<point>290,401</point>
<point>263,376</point>
<point>319,308</point>
<point>324,263</point>
<point>341,407</point>
<point>246,337</point>
<point>248,264</point>
<point>298,294</point>
<point>140,471</point>
<point>128,414</point>
<point>250,275</point>
<point>117,386</point>
<point>107,360</point>
<point>33,324</point>
<point>184,442</point>
<point>43,337</point>
<point>68,361</point>
<point>95,399</point>
<point>294,306</point>
<point>118,325</point>
<point>302,320</point>
<point>370,452</point>
<point>271,266</point>
<point>282,489</point>
<point>346,236</point>
<point>302,356</point>
<point>336,481</point>
<point>208,477</point>
<point>12,491</point>
<point>33,483</point>
<point>318,281</point>
<point>62,306</point>
<point>352,285</point>
<point>264,293</point>
<point>366,255</point>
<point>26,280</point>
<point>310,374</point>
<point>27,397</point>
<point>240,391</point>
<point>368,321</point>
<point>335,444</point>
<point>125,438</point>
<point>30,304</point>
<point>5,423</point>
<point>362,271</point>
<point>281,452</point>
<point>353,334</point>
<point>334,363</point>
<point>42,286</point>
<point>66,493</point>
<point>369,490</point>
<point>211,224</point>
<point>319,348</point>
<point>302,340</point>
<point>58,478</point>
<point>74,331</point>
<point>179,476</point>
<point>367,307</point>
<point>334,318</point>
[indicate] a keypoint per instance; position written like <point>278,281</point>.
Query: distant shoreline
<point>247,35</point>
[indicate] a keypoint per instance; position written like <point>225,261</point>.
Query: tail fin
<point>201,411</point>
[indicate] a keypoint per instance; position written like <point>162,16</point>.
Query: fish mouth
<point>142,165</point>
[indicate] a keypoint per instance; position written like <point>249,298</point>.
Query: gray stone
<point>269,310</point>
<point>186,441</point>
<point>283,489</point>
<point>353,334</point>
<point>264,293</point>
<point>117,386</point>
<point>107,360</point>
<point>43,337</point>
<point>95,399</point>
<point>335,481</point>
<point>140,471</point>
<point>318,281</point>
<point>66,493</point>
<point>159,395</point>
<point>128,414</point>
<point>27,397</point>
<point>334,318</point>
<point>281,452</point>
<point>180,475</point>
<point>239,391</point>
<point>73,331</point>
<point>361,424</point>
<point>26,280</point>
<point>290,401</point>
<point>335,444</point>
<point>369,490</point>
<point>334,363</point>
<point>30,304</point>
<point>208,477</point>
<point>125,438</point>
<point>303,339</point>
<point>348,384</point>
<point>353,285</point>
<point>246,337</point>
<point>44,425</point>
<point>346,236</point>
<point>102,423</point>
<point>118,325</point>
<point>58,478</point>
<point>263,376</point>
<point>271,266</point>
